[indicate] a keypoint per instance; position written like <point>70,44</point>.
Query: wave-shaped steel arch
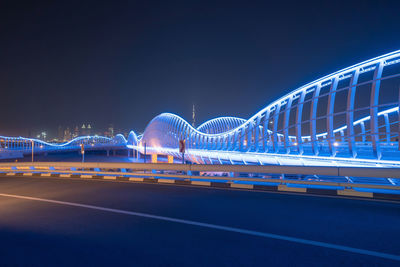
<point>352,113</point>
<point>220,125</point>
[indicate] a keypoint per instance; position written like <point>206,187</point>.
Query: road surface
<point>64,222</point>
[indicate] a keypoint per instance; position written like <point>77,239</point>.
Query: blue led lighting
<point>349,117</point>
<point>294,129</point>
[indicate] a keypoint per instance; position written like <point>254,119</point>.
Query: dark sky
<point>124,62</point>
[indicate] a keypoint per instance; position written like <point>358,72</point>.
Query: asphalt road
<point>67,222</point>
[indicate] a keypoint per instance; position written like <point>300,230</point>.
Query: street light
<point>83,152</point>
<point>145,154</point>
<point>133,150</point>
<point>33,144</point>
<point>182,148</point>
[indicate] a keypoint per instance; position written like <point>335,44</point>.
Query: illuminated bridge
<point>350,117</point>
<point>18,146</point>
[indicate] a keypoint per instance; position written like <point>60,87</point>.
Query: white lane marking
<point>218,227</point>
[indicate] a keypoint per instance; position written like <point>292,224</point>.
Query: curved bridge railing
<point>24,145</point>
<point>349,114</point>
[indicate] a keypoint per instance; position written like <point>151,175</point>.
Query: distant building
<point>89,130</point>
<point>194,117</point>
<point>67,134</point>
<point>76,132</point>
<point>83,130</point>
<point>60,135</point>
<point>111,131</point>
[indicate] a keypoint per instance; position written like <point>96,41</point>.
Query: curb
<point>238,186</point>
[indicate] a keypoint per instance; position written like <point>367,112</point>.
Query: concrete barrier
<point>275,169</point>
<point>168,174</point>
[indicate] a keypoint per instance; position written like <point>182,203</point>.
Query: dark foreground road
<point>115,223</point>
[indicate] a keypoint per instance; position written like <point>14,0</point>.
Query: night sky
<point>124,62</point>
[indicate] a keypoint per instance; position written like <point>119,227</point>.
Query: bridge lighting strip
<point>280,159</point>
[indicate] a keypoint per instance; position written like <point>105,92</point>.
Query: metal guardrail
<point>373,172</point>
<point>185,171</point>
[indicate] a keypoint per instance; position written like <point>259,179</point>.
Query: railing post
<point>374,110</point>
<point>299,113</point>
<point>275,128</point>
<point>350,113</point>
<point>313,120</point>
<point>329,118</point>
<point>286,118</point>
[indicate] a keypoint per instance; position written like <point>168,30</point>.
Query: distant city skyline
<point>65,133</point>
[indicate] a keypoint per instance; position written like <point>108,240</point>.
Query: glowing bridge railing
<point>24,145</point>
<point>348,117</point>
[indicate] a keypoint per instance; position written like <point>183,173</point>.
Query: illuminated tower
<point>194,117</point>
<point>60,133</point>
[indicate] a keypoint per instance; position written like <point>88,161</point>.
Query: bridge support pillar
<point>170,159</point>
<point>153,158</point>
<point>108,153</point>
